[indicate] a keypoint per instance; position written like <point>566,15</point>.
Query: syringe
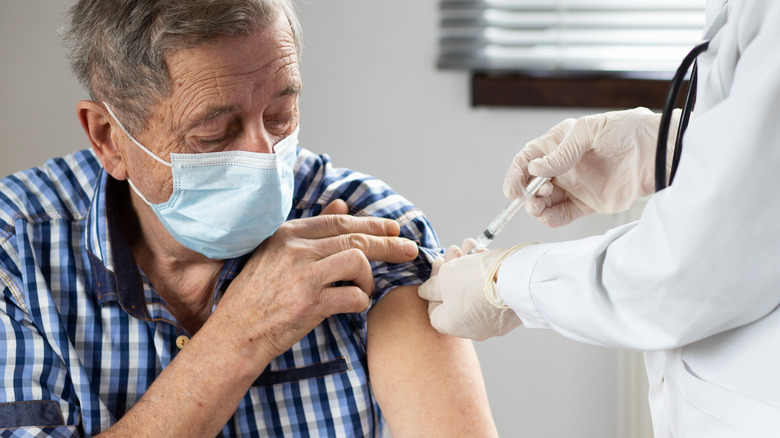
<point>495,227</point>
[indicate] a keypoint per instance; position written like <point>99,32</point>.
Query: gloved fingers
<point>560,214</point>
<point>513,181</point>
<point>545,189</point>
<point>576,141</point>
<point>536,205</point>
<point>467,245</point>
<point>558,209</point>
<point>431,290</point>
<point>434,314</point>
<point>516,181</point>
<point>441,320</point>
<point>436,265</point>
<point>635,116</point>
<point>517,175</point>
<point>452,252</point>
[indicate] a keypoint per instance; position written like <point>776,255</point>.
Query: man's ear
<point>102,136</point>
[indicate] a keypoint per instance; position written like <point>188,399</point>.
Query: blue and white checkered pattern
<point>83,334</point>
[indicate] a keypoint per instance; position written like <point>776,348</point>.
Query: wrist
<point>237,348</point>
<point>492,294</point>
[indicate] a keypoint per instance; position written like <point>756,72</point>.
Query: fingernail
<point>410,248</point>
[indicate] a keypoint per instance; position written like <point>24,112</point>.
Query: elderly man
<point>195,273</point>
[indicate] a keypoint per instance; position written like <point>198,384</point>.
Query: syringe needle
<point>495,227</point>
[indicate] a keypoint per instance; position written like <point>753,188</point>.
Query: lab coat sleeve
<point>703,259</point>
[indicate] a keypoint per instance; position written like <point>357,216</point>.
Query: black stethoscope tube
<point>666,117</point>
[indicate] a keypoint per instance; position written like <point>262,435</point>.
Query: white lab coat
<point>695,283</point>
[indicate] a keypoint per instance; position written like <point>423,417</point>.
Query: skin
<point>232,96</point>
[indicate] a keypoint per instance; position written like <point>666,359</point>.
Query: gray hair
<point>117,48</point>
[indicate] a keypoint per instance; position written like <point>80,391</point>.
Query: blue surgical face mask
<point>224,204</point>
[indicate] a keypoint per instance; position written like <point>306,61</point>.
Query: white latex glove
<point>453,252</point>
<point>602,163</point>
<point>462,296</point>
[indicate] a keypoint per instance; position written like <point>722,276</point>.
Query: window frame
<point>526,89</point>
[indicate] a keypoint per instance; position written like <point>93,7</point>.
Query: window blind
<point>625,36</point>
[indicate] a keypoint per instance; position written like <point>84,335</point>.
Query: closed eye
<point>218,139</point>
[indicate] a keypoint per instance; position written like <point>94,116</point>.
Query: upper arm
<point>427,384</point>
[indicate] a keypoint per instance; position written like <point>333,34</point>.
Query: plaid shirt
<point>84,334</point>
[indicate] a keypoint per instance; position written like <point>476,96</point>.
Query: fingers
<point>467,245</point>
<point>556,210</point>
<point>430,290</point>
<point>347,266</point>
<point>375,248</point>
<point>337,206</point>
<point>329,225</point>
<point>337,231</point>
<point>436,265</point>
<point>346,299</point>
<point>435,314</point>
<point>442,320</point>
<point>545,189</point>
<point>536,205</point>
<point>350,265</point>
<point>561,214</point>
<point>571,148</point>
<point>517,176</point>
<point>454,252</point>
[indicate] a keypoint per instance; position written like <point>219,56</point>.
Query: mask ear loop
<point>148,152</point>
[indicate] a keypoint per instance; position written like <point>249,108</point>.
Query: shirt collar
<point>114,269</point>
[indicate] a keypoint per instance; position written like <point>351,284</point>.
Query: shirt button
<point>181,341</point>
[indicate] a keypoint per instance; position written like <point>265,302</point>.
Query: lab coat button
<point>181,341</point>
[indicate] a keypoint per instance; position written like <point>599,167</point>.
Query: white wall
<point>374,101</point>
<point>37,92</point>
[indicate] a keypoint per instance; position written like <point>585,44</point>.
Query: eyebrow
<point>216,111</point>
<point>290,89</point>
<point>211,114</point>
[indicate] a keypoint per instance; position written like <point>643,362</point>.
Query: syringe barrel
<point>495,227</point>
<point>503,217</point>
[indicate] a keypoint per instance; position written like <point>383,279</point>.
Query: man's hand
<point>462,297</point>
<point>287,286</point>
<point>601,163</point>
<point>284,291</point>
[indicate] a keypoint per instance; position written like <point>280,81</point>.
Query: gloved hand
<point>602,163</point>
<point>462,296</point>
<point>453,252</point>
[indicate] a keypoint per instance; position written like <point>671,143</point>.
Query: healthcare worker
<point>695,283</point>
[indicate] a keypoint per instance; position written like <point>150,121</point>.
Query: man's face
<point>239,93</point>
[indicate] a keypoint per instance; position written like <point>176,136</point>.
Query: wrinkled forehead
<point>241,71</point>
